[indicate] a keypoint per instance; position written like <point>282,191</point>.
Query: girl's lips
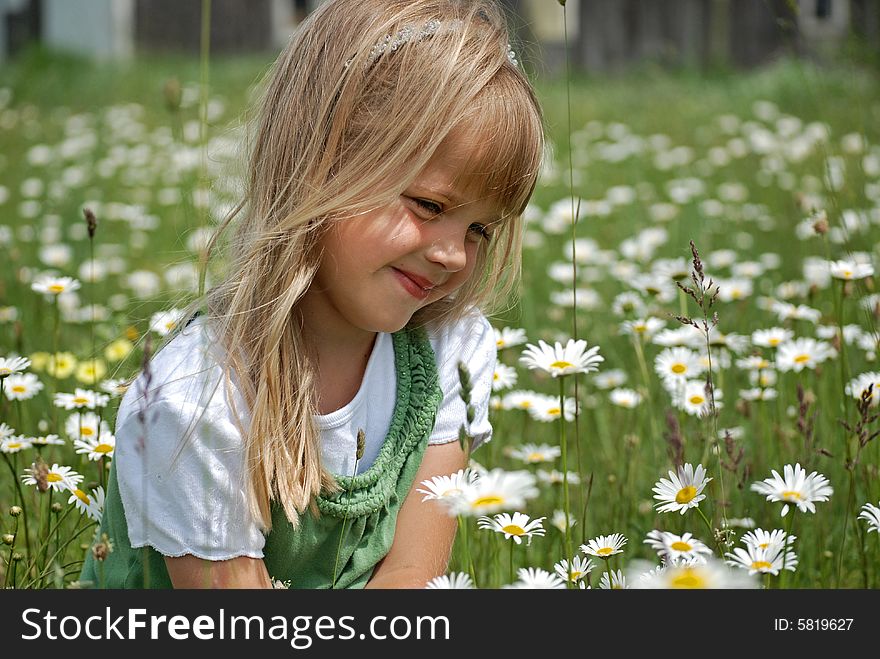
<point>412,284</point>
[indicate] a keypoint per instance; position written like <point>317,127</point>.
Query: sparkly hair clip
<point>390,43</point>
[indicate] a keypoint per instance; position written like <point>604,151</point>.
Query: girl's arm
<point>425,531</point>
<point>240,572</point>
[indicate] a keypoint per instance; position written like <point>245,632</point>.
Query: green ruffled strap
<point>418,398</point>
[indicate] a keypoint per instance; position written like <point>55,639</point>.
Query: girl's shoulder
<point>188,371</point>
<point>471,340</point>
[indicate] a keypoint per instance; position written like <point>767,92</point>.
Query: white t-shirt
<point>191,497</point>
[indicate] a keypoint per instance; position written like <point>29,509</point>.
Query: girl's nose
<point>448,251</point>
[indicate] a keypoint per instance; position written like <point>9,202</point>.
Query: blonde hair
<point>341,131</point>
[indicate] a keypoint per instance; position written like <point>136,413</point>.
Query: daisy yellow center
<point>490,500</point>
<point>575,575</point>
<point>761,565</point>
<point>605,551</point>
<point>19,389</point>
<point>678,545</point>
<point>513,529</point>
<point>86,431</point>
<point>535,457</point>
<point>525,404</point>
<point>773,341</point>
<point>5,370</point>
<point>495,377</point>
<point>170,325</point>
<point>686,494</point>
<point>791,494</point>
<point>53,478</point>
<point>56,288</point>
<point>737,294</point>
<point>802,359</point>
<point>764,545</point>
<point>561,365</point>
<point>103,448</point>
<point>13,445</point>
<point>689,579</point>
<point>847,273</point>
<point>697,400</point>
<point>79,400</point>
<point>554,411</point>
<point>679,368</point>
<point>82,496</point>
<point>640,328</point>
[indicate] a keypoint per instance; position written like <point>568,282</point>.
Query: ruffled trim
<point>418,397</point>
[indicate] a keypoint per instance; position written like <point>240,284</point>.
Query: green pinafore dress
<point>366,505</point>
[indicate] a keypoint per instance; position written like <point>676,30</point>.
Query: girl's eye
<point>480,231</point>
<point>432,207</point>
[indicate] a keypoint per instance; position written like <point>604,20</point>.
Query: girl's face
<point>379,268</point>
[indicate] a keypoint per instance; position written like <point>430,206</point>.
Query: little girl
<point>280,435</point>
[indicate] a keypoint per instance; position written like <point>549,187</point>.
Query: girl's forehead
<point>455,168</point>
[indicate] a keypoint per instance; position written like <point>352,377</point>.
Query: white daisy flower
<point>628,398</point>
<point>710,575</point>
<point>871,514</point>
<point>610,379</point>
<point>772,337</point>
<point>786,311</point>
<point>694,399</point>
<point>741,522</point>
<point>644,328</point>
<point>546,408</point>
<point>849,270</point>
<point>559,360</point>
<point>671,546</point>
<point>514,527</point>
<point>51,285</point>
<point>504,377</point>
<point>535,453</point>
<point>558,518</point>
<point>21,386</point>
<point>10,365</point>
<point>14,444</point>
<point>734,289</point>
<point>493,491</point>
<point>47,440</point>
<point>58,478</point>
<point>677,364</point>
<point>93,505</point>
<point>96,447</point>
<point>801,353</point>
<point>617,581</point>
<point>859,386</point>
<point>85,426</point>
<point>605,546</point>
<point>766,377</point>
<point>447,487</point>
<point>765,539</point>
<point>758,393</point>
<point>757,560</point>
<point>519,400</point>
<point>509,337</point>
<point>555,477</point>
<point>163,322</point>
<point>577,568</point>
<point>795,488</point>
<point>536,578</point>
<point>628,302</point>
<point>81,398</point>
<point>6,430</point>
<point>682,490</point>
<point>451,581</point>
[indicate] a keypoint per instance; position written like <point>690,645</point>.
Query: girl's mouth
<point>412,286</point>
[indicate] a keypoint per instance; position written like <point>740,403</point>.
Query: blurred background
<point>604,35</point>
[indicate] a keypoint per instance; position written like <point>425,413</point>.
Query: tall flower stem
<point>850,500</point>
<point>565,495</point>
<point>510,542</point>
<point>462,530</point>
<point>17,482</point>
<point>788,527</point>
